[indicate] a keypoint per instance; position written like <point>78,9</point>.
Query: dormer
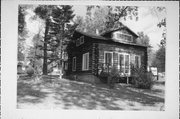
<point>123,34</point>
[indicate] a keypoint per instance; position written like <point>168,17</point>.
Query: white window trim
<point>124,62</point>
<point>116,36</point>
<point>83,67</point>
<point>105,56</point>
<point>74,65</point>
<point>138,61</point>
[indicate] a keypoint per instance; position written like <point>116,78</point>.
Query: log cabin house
<point>88,52</point>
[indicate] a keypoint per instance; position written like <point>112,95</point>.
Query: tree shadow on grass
<point>72,94</point>
<point>140,97</point>
<point>84,98</point>
<point>29,93</point>
<point>157,90</point>
<point>88,96</point>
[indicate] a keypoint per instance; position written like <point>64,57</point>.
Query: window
<point>80,41</point>
<point>124,63</point>
<point>85,61</point>
<point>108,58</point>
<point>74,64</point>
<point>137,62</point>
<point>77,42</point>
<point>127,68</point>
<point>125,37</point>
<point>121,63</point>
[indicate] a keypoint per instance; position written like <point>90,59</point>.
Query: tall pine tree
<point>22,31</point>
<point>58,29</point>
<point>63,28</point>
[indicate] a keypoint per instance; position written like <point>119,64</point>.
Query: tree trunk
<point>45,65</point>
<point>61,48</point>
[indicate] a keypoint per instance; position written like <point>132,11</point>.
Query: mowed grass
<point>54,93</point>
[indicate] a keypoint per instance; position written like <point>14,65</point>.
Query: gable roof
<point>122,27</point>
<point>99,37</point>
<point>90,35</point>
<point>103,35</point>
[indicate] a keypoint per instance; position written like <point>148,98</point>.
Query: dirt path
<point>67,94</point>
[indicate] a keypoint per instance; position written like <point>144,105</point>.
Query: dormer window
<point>80,41</point>
<point>125,37</point>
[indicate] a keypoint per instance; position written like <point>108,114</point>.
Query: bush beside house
<point>111,77</point>
<point>141,78</point>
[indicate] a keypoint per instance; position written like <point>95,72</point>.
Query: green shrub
<point>141,78</point>
<point>30,71</point>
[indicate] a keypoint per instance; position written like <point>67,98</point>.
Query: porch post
<point>127,80</point>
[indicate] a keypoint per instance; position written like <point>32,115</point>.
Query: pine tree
<point>21,31</point>
<point>63,28</point>
<point>44,12</point>
<point>57,32</point>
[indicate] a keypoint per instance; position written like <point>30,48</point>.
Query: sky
<point>147,22</point>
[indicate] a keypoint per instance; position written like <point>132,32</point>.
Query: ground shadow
<point>29,92</point>
<point>90,96</point>
<point>80,95</point>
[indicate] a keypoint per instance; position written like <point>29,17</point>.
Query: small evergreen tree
<point>141,78</point>
<point>159,60</point>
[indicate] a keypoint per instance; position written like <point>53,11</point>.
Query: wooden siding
<point>95,57</point>
<point>78,51</point>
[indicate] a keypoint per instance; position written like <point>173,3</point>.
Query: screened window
<point>124,63</point>
<point>74,64</point>
<point>85,63</point>
<point>137,61</point>
<point>108,57</point>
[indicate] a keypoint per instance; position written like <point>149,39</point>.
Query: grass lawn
<point>67,94</point>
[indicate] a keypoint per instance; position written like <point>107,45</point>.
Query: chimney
<point>97,31</point>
